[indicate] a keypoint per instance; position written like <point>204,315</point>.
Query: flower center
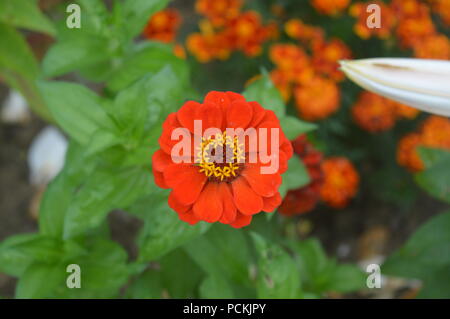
<point>220,157</point>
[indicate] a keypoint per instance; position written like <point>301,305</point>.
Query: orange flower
<point>298,30</point>
<point>163,26</point>
<point>341,182</point>
<point>415,23</point>
<point>304,199</point>
<point>326,56</point>
<point>211,187</point>
<point>219,11</point>
<point>317,99</point>
<point>292,61</point>
<point>405,111</point>
<point>433,47</point>
<point>179,51</point>
<point>442,7</point>
<point>282,83</point>
<point>207,47</point>
<point>359,11</point>
<point>407,155</point>
<point>374,113</point>
<point>434,133</point>
<point>330,7</point>
<point>247,32</point>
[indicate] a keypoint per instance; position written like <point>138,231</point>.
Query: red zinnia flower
<point>207,188</point>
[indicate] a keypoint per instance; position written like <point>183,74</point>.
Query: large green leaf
<point>76,109</point>
<point>25,14</point>
<point>103,191</point>
<point>163,230</point>
<point>425,256</point>
<point>222,252</point>
<point>62,189</point>
<point>278,276</point>
<point>40,279</point>
<point>149,57</point>
<point>293,127</point>
<point>264,92</point>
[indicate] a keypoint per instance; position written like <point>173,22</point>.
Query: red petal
<point>263,184</point>
<point>241,221</point>
<point>176,205</point>
<point>187,114</point>
<point>159,179</point>
<point>258,114</point>
<point>229,209</point>
<point>188,217</point>
<point>160,160</point>
<point>219,98</point>
<point>235,96</point>
<point>211,116</point>
<point>239,114</point>
<point>245,198</point>
<point>187,182</point>
<point>271,203</point>
<point>208,206</point>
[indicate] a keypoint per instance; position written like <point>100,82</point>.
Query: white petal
<point>15,108</point>
<point>46,155</point>
<point>423,84</point>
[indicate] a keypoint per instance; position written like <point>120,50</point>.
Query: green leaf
<point>104,271</point>
<point>149,57</point>
<point>295,177</point>
<point>39,280</point>
<point>265,93</point>
<point>435,179</point>
<point>25,14</point>
<point>222,252</point>
<point>72,54</point>
<point>425,256</point>
<point>60,192</point>
<point>75,108</point>
<point>347,278</point>
<point>293,127</point>
<point>215,287</point>
<point>102,192</point>
<point>19,68</point>
<point>163,230</point>
<point>138,12</point>
<point>278,276</point>
<point>13,260</point>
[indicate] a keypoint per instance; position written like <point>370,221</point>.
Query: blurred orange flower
<point>248,32</point>
<point>373,112</point>
<point>405,111</point>
<point>341,182</point>
<point>304,199</point>
<point>407,155</point>
<point>434,132</point>
<point>292,61</point>
<point>206,47</point>
<point>442,8</point>
<point>330,7</point>
<point>359,11</point>
<point>163,26</point>
<point>308,34</point>
<point>433,47</point>
<point>326,56</point>
<point>317,99</point>
<point>219,12</point>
